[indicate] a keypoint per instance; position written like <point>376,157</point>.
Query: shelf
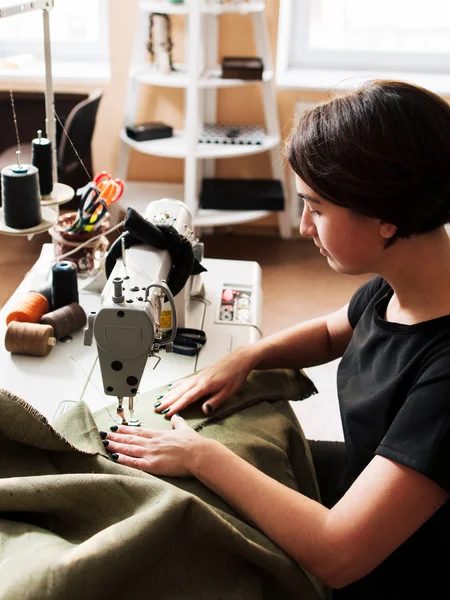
<point>242,8</point>
<point>168,8</point>
<point>176,147</point>
<point>139,194</point>
<point>164,7</point>
<point>180,78</point>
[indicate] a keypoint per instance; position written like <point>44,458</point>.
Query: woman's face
<point>351,242</point>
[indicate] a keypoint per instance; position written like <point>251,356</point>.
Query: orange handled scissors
<point>110,189</point>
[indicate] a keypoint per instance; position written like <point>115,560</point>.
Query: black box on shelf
<point>242,67</point>
<point>242,194</point>
<point>143,132</point>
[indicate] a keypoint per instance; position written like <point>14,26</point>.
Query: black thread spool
<point>64,284</point>
<point>66,320</point>
<point>46,291</point>
<point>41,158</point>
<point>21,197</point>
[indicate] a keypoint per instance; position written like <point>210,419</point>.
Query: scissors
<point>188,341</point>
<point>110,189</point>
<point>89,195</point>
<point>95,198</point>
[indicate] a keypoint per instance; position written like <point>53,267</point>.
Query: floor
<point>297,284</point>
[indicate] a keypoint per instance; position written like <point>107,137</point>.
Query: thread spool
<point>45,290</point>
<point>30,339</point>
<point>21,198</point>
<point>64,284</point>
<point>66,320</point>
<point>30,309</point>
<point>41,158</point>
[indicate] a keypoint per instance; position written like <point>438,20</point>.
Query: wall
<point>241,105</point>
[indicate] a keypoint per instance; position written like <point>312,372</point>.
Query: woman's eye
<point>314,212</point>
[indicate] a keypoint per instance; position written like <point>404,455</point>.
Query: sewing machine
<point>135,322</point>
<point>225,302</point>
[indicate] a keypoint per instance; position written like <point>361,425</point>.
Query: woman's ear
<point>387,230</point>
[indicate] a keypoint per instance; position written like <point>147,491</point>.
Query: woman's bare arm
<point>311,343</point>
<point>385,506</point>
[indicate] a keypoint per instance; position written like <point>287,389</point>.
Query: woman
<point>373,169</point>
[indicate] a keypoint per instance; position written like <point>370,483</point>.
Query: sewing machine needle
<point>120,411</point>
<point>132,421</point>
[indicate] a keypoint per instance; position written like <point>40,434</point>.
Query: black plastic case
<point>142,132</point>
<point>242,194</point>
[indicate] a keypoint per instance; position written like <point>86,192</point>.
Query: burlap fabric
<point>76,525</point>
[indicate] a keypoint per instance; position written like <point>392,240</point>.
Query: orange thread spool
<point>30,309</point>
<point>30,339</point>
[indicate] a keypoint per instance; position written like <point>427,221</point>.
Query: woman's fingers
<point>170,396</point>
<point>180,398</point>
<point>131,461</point>
<point>186,400</point>
<point>213,402</point>
<point>126,449</point>
<point>139,432</point>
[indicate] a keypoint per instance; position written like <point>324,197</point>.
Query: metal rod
<point>49,95</point>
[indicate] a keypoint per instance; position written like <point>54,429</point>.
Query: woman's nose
<point>307,226</point>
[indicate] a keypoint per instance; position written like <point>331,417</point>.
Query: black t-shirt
<point>394,395</point>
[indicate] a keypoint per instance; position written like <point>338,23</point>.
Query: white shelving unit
<point>201,79</point>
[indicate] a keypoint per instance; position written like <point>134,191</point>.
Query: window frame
<point>344,64</point>
<point>66,51</point>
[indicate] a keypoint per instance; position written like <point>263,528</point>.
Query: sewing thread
<point>41,158</point>
<point>21,197</point>
<point>66,320</point>
<point>30,309</point>
<point>30,339</point>
<point>64,284</point>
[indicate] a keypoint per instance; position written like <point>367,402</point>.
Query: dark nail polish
<point>114,428</point>
<point>157,404</point>
<point>165,411</point>
<point>177,415</point>
<point>115,456</point>
<point>102,434</point>
<point>209,408</point>
<point>105,443</point>
<point>159,397</point>
<point>170,385</point>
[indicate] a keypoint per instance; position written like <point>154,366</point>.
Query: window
<point>386,36</point>
<point>79,31</point>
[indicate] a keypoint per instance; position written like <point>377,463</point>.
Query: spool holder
<point>61,194</point>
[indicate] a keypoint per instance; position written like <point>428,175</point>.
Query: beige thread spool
<point>30,339</point>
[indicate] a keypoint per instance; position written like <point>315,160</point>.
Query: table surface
<point>71,371</point>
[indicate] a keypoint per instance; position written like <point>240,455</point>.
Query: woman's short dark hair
<point>383,151</point>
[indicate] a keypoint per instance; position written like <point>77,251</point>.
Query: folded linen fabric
<point>74,524</point>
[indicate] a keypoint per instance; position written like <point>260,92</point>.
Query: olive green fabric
<point>76,525</point>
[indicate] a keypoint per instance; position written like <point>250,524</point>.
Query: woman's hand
<point>170,453</point>
<point>215,383</point>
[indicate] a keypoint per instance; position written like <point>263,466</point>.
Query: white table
<point>71,371</point>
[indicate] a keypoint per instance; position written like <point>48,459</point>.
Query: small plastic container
<point>89,258</point>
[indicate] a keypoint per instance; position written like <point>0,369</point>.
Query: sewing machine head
<point>135,320</point>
